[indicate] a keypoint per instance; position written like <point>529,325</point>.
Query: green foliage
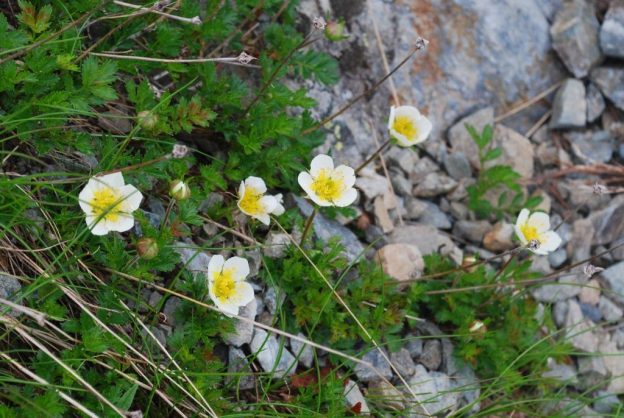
<point>497,190</point>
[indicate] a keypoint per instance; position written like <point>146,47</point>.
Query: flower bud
<point>147,119</point>
<point>477,328</point>
<point>335,31</point>
<point>179,151</point>
<point>147,248</point>
<point>179,190</point>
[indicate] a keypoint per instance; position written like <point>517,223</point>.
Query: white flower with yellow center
<point>326,185</point>
<point>108,203</point>
<point>252,200</point>
<point>226,283</point>
<point>535,229</point>
<point>408,126</point>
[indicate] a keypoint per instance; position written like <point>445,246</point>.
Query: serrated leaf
<point>493,154</point>
<point>37,21</point>
<point>96,78</point>
<point>10,39</point>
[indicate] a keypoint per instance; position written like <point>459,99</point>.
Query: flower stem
<point>308,224</point>
<point>372,157</point>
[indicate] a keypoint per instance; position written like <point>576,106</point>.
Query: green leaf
<point>66,62</point>
<point>493,154</point>
<point>125,401</point>
<point>10,39</point>
<point>37,21</point>
<point>96,78</point>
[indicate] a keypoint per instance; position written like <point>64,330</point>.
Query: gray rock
<point>614,276</point>
<point>590,294</point>
<point>371,183</point>
<point>557,258</point>
<point>9,286</point>
<point>239,370</point>
<point>397,157</point>
<point>154,299</point>
<point>592,147</point>
<point>171,310</point>
<point>467,384</point>
<point>434,184</point>
<point>605,402</point>
<point>564,373</point>
<point>415,208</point>
<point>428,240</point>
<point>243,330</point>
<point>592,370</point>
<point>462,142</point>
<point>569,106</point>
<point>575,37</point>
<point>303,351</point>
<point>194,260</point>
<point>517,151</point>
<point>276,244</point>
<point>614,364</point>
<point>374,357</point>
<point>560,311</point>
<point>608,223</point>
<point>581,241</point>
<point>402,361</point>
<point>353,396</point>
<point>435,217</point>
<point>272,355</point>
<point>590,312</point>
<point>415,345</point>
<point>579,331</point>
<point>564,288</point>
<point>499,238</point>
<point>403,262</point>
<point>609,310</point>
<point>610,81</point>
<point>618,337</point>
<point>402,185</point>
<point>472,230</point>
<point>433,392</point>
<point>431,356</point>
<point>612,30</point>
<point>595,103</point>
<point>457,165</point>
<point>326,229</point>
<point>273,299</point>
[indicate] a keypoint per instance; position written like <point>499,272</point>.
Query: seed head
<point>319,23</point>
<point>245,58</point>
<point>600,189</point>
<point>533,245</point>
<point>179,151</point>
<point>589,270</point>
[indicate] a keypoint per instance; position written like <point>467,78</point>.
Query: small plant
<point>496,191</point>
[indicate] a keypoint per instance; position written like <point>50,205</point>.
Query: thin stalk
<point>308,224</point>
<point>373,156</point>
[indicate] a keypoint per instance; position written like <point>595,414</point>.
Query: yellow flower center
<point>326,187</point>
<point>224,285</point>
<point>250,203</point>
<point>106,204</point>
<point>405,126</point>
<point>530,233</point>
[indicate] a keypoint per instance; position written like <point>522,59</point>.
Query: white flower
<point>536,228</point>
<point>326,185</point>
<point>252,200</point>
<point>279,207</point>
<point>108,203</point>
<point>226,283</point>
<point>408,126</point>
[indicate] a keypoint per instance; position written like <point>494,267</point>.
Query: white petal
<point>84,199</point>
<point>347,174</point>
<point>279,209</point>
<point>409,111</point>
<point>244,293</point>
<point>319,201</point>
<point>122,224</point>
<point>305,181</point>
<point>215,265</point>
<point>227,309</point>
<point>113,180</point>
<point>268,203</point>
<point>550,241</point>
<point>241,191</point>
<point>321,162</point>
<point>132,198</point>
<point>264,218</point>
<point>240,267</point>
<point>391,118</point>
<point>423,125</point>
<point>347,198</point>
<point>520,235</point>
<point>401,139</point>
<point>256,183</point>
<point>522,217</point>
<point>98,228</point>
<point>540,221</point>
